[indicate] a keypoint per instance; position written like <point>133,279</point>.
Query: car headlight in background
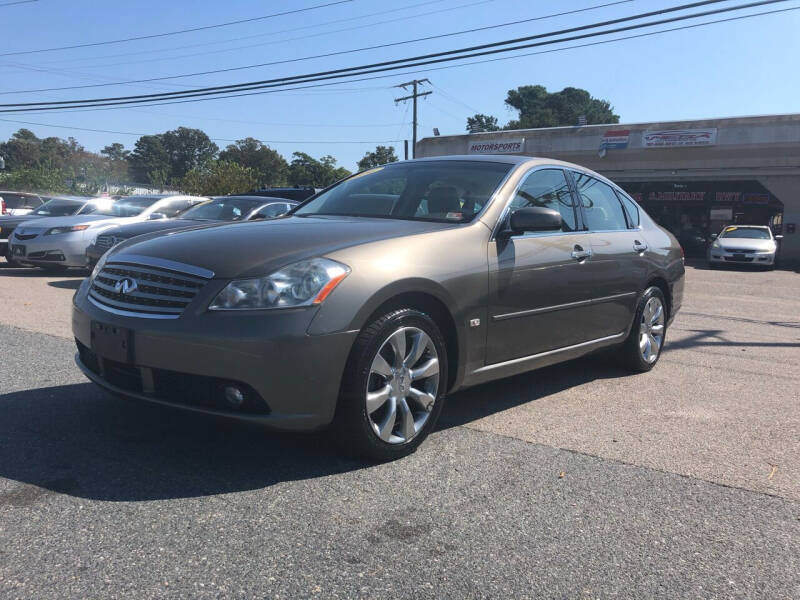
<point>300,284</point>
<point>56,230</point>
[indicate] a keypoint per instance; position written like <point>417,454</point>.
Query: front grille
<point>25,236</point>
<point>145,290</point>
<point>739,251</point>
<point>107,241</point>
<point>743,259</point>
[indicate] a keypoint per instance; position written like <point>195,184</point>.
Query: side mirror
<point>258,217</point>
<point>779,237</point>
<point>534,218</point>
<point>713,236</point>
<point>157,216</point>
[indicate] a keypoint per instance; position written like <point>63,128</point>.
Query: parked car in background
<point>744,245</point>
<point>296,193</point>
<point>61,242</point>
<point>367,304</point>
<point>62,206</point>
<point>694,241</point>
<point>19,203</point>
<point>219,210</point>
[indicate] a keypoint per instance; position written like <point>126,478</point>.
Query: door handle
<point>578,253</point>
<point>639,246</point>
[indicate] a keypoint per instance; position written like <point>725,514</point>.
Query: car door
<point>618,263</point>
<point>538,282</point>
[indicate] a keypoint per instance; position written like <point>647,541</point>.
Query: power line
<point>328,54</point>
<point>432,69</point>
<point>180,31</point>
<point>268,33</point>
<point>437,57</point>
<point>17,2</point>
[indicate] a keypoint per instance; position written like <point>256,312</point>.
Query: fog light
<point>233,396</point>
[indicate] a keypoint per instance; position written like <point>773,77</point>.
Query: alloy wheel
<point>651,329</point>
<point>402,385</point>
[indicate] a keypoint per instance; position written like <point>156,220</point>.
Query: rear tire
<point>641,350</point>
<point>393,386</point>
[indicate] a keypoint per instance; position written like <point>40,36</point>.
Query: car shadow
<point>487,399</point>
<point>78,440</point>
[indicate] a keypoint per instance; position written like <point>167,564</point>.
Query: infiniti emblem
<point>126,286</point>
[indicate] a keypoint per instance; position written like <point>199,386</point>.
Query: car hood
<point>745,244</point>
<point>261,247</point>
<point>161,225</point>
<point>91,220</point>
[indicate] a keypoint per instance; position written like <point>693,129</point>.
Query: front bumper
<point>719,256</point>
<point>67,249</point>
<point>296,375</point>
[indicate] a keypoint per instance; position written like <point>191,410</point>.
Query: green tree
<point>219,178</point>
<point>115,151</point>
<point>175,152</point>
<point>149,157</point>
<point>480,122</point>
<point>270,167</point>
<point>539,108</point>
<point>381,156</point>
<point>35,179</point>
<point>306,170</point>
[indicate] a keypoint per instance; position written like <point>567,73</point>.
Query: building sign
<point>501,146</point>
<point>613,140</point>
<point>755,198</point>
<point>675,138</point>
<point>676,197</point>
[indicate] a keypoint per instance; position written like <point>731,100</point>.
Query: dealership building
<point>693,177</point>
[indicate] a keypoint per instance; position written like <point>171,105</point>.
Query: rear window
<point>13,200</point>
<point>630,209</point>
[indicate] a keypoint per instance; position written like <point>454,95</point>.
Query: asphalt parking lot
<point>579,480</point>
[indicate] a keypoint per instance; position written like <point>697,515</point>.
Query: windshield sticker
<point>454,215</point>
<point>730,229</point>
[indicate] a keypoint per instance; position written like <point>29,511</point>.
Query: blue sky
<point>739,68</point>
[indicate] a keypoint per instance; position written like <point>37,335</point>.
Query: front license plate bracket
<point>112,342</point>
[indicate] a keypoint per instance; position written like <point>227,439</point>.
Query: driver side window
<point>548,188</point>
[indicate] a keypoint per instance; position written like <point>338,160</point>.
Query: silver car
<point>744,245</point>
<point>60,242</point>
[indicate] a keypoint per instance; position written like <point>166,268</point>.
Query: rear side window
<point>631,210</point>
<point>601,208</point>
<point>270,211</point>
<point>548,188</point>
<point>20,200</point>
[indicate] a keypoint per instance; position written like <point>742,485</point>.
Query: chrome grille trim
<point>161,263</point>
<point>162,290</point>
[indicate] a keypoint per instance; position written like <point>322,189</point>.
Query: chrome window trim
<point>523,359</point>
<point>510,199</point>
<point>555,307</point>
<point>162,263</point>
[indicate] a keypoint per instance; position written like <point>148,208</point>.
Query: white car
<point>59,242</point>
<point>19,203</point>
<point>744,245</point>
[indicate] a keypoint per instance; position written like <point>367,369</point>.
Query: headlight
<point>99,266</point>
<point>56,230</point>
<point>301,284</point>
<point>715,244</point>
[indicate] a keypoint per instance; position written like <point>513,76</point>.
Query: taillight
<point>3,207</point>
<point>683,254</point>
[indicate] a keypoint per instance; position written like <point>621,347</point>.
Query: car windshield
<point>57,208</point>
<point>446,191</point>
<point>751,233</point>
<point>230,208</point>
<point>128,207</point>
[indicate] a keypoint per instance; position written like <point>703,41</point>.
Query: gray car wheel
<point>642,348</point>
<point>393,386</point>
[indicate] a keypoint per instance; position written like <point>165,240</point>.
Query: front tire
<point>393,387</point>
<point>642,348</point>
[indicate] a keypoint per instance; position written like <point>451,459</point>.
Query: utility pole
<point>413,96</point>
